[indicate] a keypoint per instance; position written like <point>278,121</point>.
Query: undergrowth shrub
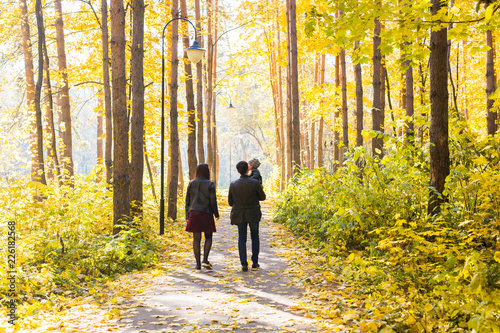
<point>419,272</point>
<point>66,240</point>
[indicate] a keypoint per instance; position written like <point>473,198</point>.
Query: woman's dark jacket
<point>200,196</point>
<point>244,196</point>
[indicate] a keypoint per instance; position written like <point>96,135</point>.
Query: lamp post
<point>194,53</point>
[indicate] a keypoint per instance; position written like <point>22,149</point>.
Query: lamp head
<point>195,52</point>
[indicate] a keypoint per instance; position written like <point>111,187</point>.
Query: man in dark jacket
<point>244,196</point>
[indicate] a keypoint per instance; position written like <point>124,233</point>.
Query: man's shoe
<point>255,265</point>
<point>245,269</point>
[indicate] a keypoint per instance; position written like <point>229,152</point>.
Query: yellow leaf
<point>428,307</point>
<point>497,256</point>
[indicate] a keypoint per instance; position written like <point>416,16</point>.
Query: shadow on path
<point>225,298</point>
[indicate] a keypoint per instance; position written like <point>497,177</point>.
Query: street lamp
<point>194,53</point>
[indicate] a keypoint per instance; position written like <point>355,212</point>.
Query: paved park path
<point>224,298</point>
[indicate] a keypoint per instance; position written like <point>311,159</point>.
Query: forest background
<point>376,123</point>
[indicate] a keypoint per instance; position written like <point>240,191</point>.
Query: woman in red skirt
<point>201,206</point>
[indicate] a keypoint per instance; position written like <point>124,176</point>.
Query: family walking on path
<point>244,197</point>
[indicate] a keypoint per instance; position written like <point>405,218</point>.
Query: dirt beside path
<point>224,298</point>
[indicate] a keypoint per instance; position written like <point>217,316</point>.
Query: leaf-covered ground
<point>174,297</point>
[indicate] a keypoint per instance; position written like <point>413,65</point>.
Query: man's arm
<point>230,200</point>
<point>260,192</point>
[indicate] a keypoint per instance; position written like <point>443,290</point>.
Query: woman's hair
<point>242,167</point>
<point>202,171</point>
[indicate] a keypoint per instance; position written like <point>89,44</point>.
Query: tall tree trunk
<point>377,142</point>
<point>100,132</point>
<point>321,120</point>
<point>40,169</point>
<point>280,103</point>
<point>52,160</point>
<point>336,135</point>
<point>359,100</point>
<point>383,84</point>
<point>294,75</point>
<point>199,88</point>
<point>345,118</point>
<point>491,118</point>
<point>174,132</point>
<point>30,85</point>
<point>410,127</point>
<point>66,130</point>
<point>107,93</point>
<point>289,116</point>
<point>215,164</point>
<point>137,123</point>
<point>438,130</point>
<point>209,86</point>
<point>192,160</point>
<point>121,178</point>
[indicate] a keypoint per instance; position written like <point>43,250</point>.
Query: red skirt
<point>200,222</point>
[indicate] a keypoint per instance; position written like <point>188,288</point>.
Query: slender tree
<point>491,118</point>
<point>359,99</point>
<point>345,117</point>
<point>173,164</point>
<point>438,130</point>
<point>209,85</point>
<point>377,142</point>
<point>137,123</point>
<point>321,120</point>
<point>40,169</point>
<point>294,76</point>
<point>121,178</point>
<point>52,160</point>
<point>65,115</point>
<point>30,85</point>
<point>336,135</point>
<point>191,150</point>
<point>107,92</point>
<point>199,89</point>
